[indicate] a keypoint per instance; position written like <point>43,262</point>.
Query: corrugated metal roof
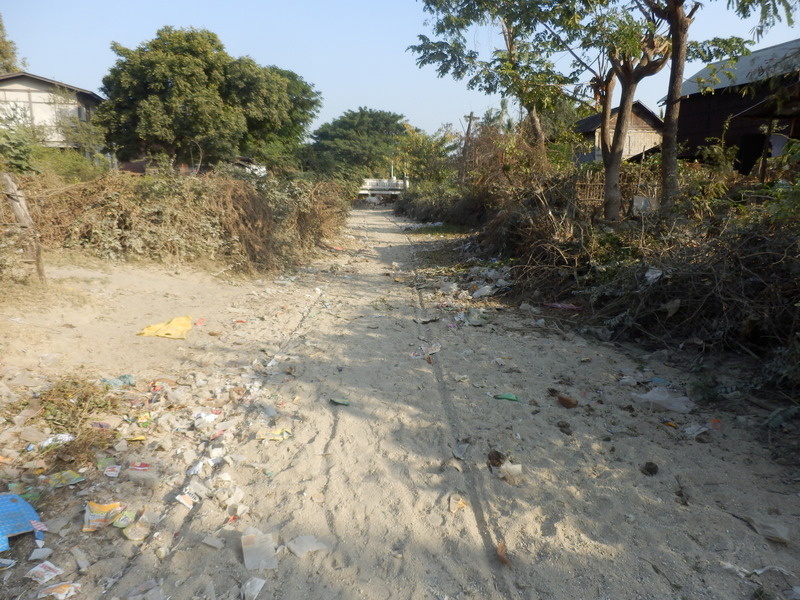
<point>761,64</point>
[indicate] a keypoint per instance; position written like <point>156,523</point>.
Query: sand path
<point>396,484</point>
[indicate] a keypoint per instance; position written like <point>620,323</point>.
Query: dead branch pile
<point>172,218</point>
<point>731,281</point>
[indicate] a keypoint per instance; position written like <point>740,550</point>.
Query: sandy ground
<point>394,489</point>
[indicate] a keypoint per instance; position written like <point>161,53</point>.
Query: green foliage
<point>427,157</point>
<point>18,139</point>
<point>181,94</point>
<point>69,164</point>
<point>9,63</point>
<point>362,143</point>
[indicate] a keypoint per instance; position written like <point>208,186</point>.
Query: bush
<point>68,164</point>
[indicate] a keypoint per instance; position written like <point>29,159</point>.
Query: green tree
<point>282,146</point>
<point>520,68</point>
<point>9,63</point>
<point>359,143</point>
<point>427,157</point>
<point>181,94</point>
<point>608,42</point>
<point>679,14</point>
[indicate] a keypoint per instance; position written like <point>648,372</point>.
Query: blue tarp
<point>16,517</point>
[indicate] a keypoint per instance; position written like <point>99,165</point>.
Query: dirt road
<point>390,490</point>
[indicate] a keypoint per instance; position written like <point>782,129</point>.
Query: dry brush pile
<point>727,279</point>
<point>245,225</point>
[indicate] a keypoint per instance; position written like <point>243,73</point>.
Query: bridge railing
<point>385,185</point>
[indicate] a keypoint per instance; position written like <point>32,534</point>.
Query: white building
<point>41,100</point>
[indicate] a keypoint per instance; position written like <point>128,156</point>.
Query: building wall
<point>41,102</point>
<point>704,116</point>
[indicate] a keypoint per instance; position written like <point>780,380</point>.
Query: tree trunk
<point>679,24</point>
<point>19,207</point>
<point>612,194</point>
<point>538,138</point>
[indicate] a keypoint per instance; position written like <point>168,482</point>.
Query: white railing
<point>384,185</point>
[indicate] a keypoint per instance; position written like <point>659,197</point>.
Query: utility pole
<point>462,172</point>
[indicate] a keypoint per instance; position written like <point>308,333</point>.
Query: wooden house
<point>644,133</point>
<point>751,104</point>
<point>40,101</point>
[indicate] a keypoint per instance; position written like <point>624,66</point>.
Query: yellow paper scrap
<point>176,329</point>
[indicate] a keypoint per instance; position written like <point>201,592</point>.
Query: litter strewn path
<point>354,430</point>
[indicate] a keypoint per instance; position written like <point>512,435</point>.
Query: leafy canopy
<point>182,95</point>
<point>359,143</point>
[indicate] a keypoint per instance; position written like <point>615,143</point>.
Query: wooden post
<point>16,200</point>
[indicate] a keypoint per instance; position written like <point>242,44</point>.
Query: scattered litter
<point>6,563</point>
<point>460,451</point>
<point>121,381</point>
<point>340,401</point>
<point>457,503</point>
<point>507,396</point>
<point>112,471</point>
<point>483,291</point>
<point>98,516</point>
<point>136,532</point>
<point>57,440</point>
<point>251,588</point>
<point>660,398</point>
<point>769,528</point>
<point>17,517</point>
<point>64,478</point>
<point>40,554</point>
<point>258,550</point>
<point>81,559</point>
<point>213,542</point>
<point>510,472</point>
<point>563,306</point>
<point>60,591</point>
<point>743,573</point>
<point>176,328</point>
<point>302,545</point>
<point>43,572</point>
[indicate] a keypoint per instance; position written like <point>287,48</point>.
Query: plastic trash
<point>302,545</point>
<point>258,550</point>
<point>40,554</point>
<point>251,588</point>
<point>483,292</point>
<point>176,329</point>
<point>98,516</point>
<point>64,478</point>
<point>81,559</point>
<point>60,591</point>
<point>17,517</point>
<point>660,398</point>
<point>507,396</point>
<point>43,572</point>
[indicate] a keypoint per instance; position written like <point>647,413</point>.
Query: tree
<point>427,157</point>
<point>282,146</point>
<point>675,13</point>
<point>9,63</point>
<point>359,143</point>
<point>183,95</point>
<point>521,69</point>
<point>609,42</point>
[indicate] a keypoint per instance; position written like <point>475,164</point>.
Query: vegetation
<point>9,62</point>
<point>182,95</point>
<point>361,143</point>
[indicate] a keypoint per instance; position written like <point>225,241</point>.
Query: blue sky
<point>352,51</point>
